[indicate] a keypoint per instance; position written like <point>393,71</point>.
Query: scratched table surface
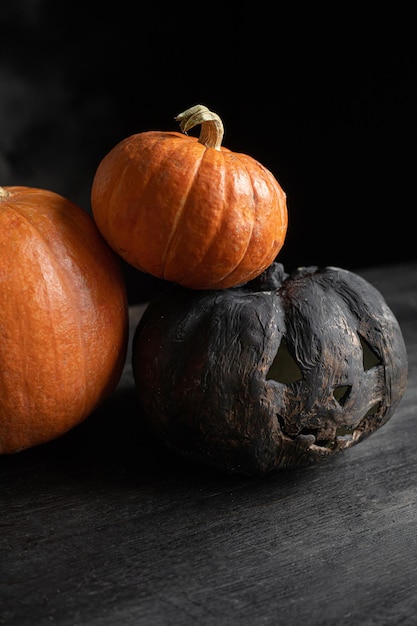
<point>104,527</point>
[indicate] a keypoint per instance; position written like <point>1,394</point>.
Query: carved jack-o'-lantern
<point>281,372</point>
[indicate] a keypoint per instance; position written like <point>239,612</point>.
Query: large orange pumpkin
<point>63,322</point>
<point>188,210</point>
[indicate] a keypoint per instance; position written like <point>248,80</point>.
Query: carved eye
<point>283,368</point>
<point>341,393</point>
<point>370,358</point>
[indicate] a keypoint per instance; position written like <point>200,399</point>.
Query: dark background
<point>327,101</point>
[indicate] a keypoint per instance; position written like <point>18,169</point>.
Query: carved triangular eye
<point>374,409</point>
<point>370,358</point>
<point>284,369</point>
<point>342,393</point>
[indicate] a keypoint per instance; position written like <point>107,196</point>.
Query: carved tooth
<point>305,440</point>
<point>357,435</point>
<point>344,441</point>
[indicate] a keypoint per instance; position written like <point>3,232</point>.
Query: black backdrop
<point>325,100</point>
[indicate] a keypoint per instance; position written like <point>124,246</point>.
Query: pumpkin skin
<point>64,317</point>
<point>283,372</point>
<point>187,212</point>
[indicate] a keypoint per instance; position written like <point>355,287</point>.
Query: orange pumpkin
<point>188,210</point>
<point>64,317</point>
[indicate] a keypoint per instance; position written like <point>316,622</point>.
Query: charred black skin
<point>210,381</point>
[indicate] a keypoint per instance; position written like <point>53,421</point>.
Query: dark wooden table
<point>101,527</point>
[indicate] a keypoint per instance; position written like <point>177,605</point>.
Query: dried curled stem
<point>4,193</point>
<point>212,130</point>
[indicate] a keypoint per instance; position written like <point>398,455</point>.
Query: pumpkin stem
<point>4,193</point>
<point>212,130</point>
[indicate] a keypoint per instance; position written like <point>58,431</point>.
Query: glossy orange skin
<point>190,214</point>
<point>64,317</point>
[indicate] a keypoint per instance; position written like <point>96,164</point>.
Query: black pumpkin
<point>284,371</point>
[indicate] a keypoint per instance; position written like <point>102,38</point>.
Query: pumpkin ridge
<point>113,215</point>
<point>180,213</point>
<point>116,191</point>
<point>270,179</point>
<point>208,243</point>
<point>58,271</point>
<point>152,258</point>
<point>196,270</point>
<point>265,259</point>
<point>237,266</point>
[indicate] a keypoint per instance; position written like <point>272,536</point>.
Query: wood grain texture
<point>102,527</point>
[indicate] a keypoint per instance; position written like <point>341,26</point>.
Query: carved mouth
<point>344,437</point>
